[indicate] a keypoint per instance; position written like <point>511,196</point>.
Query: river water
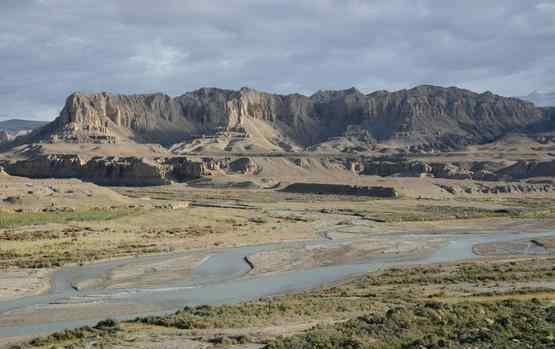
<point>223,277</point>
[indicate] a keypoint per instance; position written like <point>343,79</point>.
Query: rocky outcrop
<point>341,189</point>
<point>425,117</point>
<point>210,166</point>
<point>213,166</point>
<point>529,169</point>
<point>516,188</point>
<point>450,171</point>
<point>129,171</point>
<point>245,166</point>
<point>48,166</point>
<point>158,118</point>
<point>399,168</point>
<point>407,168</point>
<point>446,117</point>
<point>183,168</point>
<point>475,170</point>
<point>485,175</point>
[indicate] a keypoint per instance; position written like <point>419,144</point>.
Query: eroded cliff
<point>428,117</point>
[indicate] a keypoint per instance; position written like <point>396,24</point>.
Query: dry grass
<point>463,292</point>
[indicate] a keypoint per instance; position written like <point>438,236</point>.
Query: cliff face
<point>128,171</point>
<point>212,110</point>
<point>425,115</point>
<point>451,116</point>
<point>109,118</point>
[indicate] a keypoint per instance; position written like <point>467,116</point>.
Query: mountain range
<point>213,119</point>
<point>9,129</point>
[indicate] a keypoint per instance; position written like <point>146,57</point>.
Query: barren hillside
<point>211,119</point>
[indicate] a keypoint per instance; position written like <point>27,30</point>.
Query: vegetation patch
<point>14,219</point>
<point>75,338</point>
<point>505,324</point>
<point>262,312</point>
<point>514,271</point>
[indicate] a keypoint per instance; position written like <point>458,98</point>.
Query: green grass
<point>12,220</point>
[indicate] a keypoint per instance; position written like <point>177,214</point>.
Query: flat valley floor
<point>73,251</point>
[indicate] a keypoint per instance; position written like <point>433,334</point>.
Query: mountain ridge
<point>12,128</point>
<point>424,116</point>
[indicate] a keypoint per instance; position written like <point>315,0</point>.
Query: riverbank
<point>224,277</point>
<point>483,293</point>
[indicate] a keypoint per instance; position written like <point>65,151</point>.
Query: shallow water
<point>222,278</point>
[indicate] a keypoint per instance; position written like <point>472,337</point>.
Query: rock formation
<point>426,117</point>
<point>475,170</point>
<point>183,168</point>
<point>399,168</point>
<point>529,169</point>
<point>446,117</point>
<point>48,166</point>
<point>244,166</point>
<point>129,171</point>
<point>498,188</point>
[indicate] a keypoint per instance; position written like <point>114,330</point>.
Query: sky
<point>51,48</point>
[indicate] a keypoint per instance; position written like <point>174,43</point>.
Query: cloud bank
<point>50,48</point>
